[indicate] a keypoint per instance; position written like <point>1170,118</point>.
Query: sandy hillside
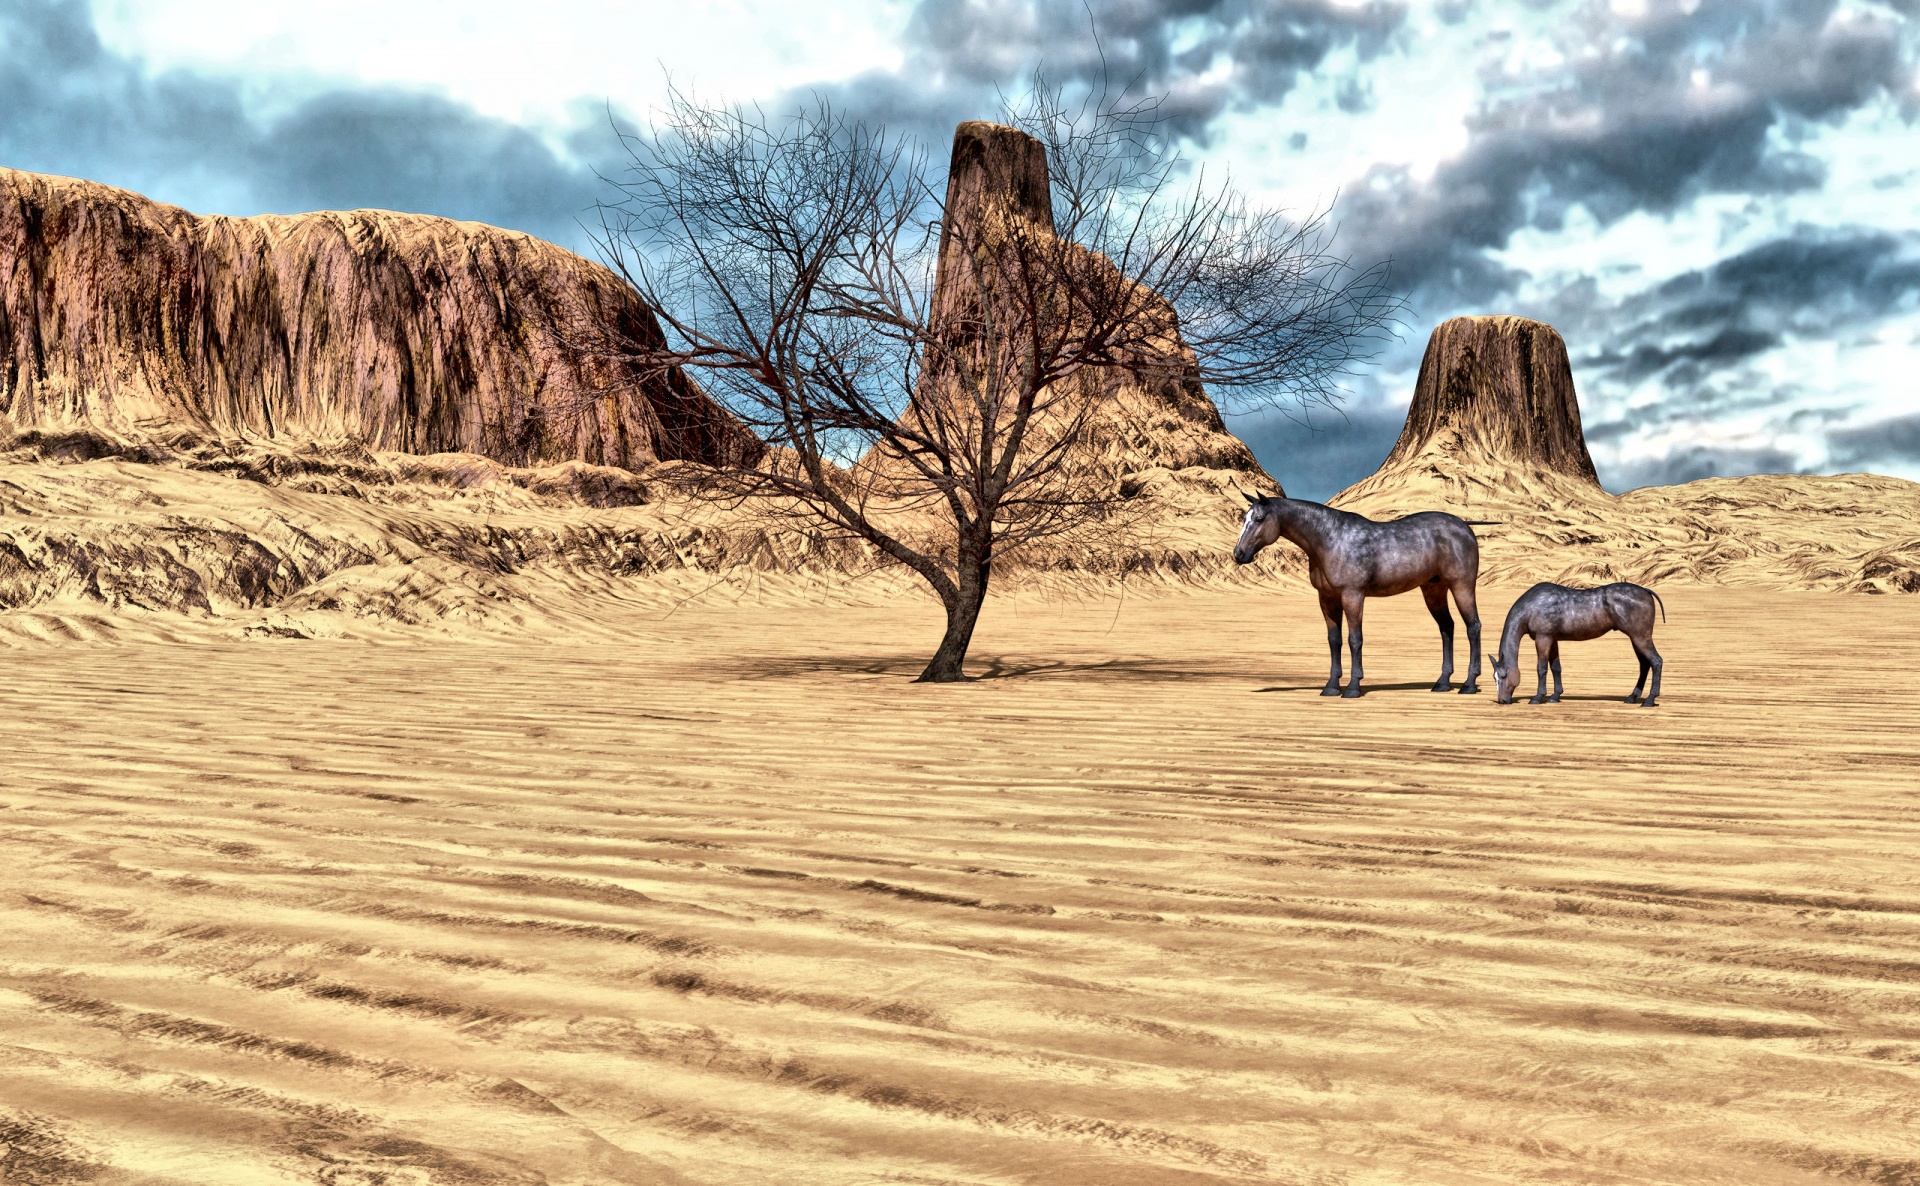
<point>244,539</point>
<point>732,901</point>
<point>241,540</point>
<point>1856,533</point>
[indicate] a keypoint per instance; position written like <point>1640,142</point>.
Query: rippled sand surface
<point>723,898</point>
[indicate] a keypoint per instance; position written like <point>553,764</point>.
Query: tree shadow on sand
<point>981,669</point>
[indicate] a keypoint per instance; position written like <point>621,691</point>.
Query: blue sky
<point>1717,202</point>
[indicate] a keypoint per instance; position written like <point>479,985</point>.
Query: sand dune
<point>1856,533</point>
<point>375,819</point>
<point>731,901</point>
<point>245,540</point>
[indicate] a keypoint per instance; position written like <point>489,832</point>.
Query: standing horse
<point>1351,558</point>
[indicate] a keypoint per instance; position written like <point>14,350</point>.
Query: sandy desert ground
<point>720,897</point>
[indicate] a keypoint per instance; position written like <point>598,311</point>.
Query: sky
<point>1716,202</point>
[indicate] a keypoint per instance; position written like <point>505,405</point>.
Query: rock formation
<point>402,332</point>
<point>1494,420</point>
<point>1503,385</point>
<point>998,176</point>
<point>1493,433</point>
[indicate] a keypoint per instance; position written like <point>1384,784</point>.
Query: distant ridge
<point>400,332</point>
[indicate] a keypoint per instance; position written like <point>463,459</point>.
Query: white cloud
<point>526,63</point>
<point>1411,105</point>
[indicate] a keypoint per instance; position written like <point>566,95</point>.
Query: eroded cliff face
<point>1137,424</point>
<point>401,332</point>
<point>1494,421</point>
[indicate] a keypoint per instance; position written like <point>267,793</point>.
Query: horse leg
<point>1649,658</point>
<point>1553,661</point>
<point>1353,603</point>
<point>1330,610</point>
<point>1436,595</point>
<point>1633,697</point>
<point>1466,601</point>
<point>1542,646</point>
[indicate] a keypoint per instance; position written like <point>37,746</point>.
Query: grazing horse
<point>1351,558</point>
<point>1552,612</point>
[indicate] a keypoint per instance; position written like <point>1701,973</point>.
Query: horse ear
<point>1250,498</point>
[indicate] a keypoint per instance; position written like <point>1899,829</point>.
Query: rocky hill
<point>1152,465</point>
<point>1138,423</point>
<point>1493,432</point>
<point>127,318</point>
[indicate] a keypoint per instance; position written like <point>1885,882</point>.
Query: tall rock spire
<point>998,189</point>
<point>1494,422</point>
<point>1503,386</point>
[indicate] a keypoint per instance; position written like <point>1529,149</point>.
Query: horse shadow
<point>1365,689</point>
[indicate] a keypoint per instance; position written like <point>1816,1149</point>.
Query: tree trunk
<point>962,612</point>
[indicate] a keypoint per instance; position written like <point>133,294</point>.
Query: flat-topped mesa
<point>1494,420</point>
<point>401,332</point>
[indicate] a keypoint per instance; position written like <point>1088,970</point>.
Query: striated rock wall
<point>402,332</point>
<point>1494,421</point>
<point>1501,383</point>
<point>997,186</point>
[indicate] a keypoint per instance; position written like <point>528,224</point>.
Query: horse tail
<point>1663,605</point>
<point>1482,522</point>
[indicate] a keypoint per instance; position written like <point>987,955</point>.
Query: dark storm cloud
<point>1321,452</point>
<point>73,107</point>
<point>1895,440</point>
<point>1698,461</point>
<point>1204,57</point>
<point>1702,335</point>
<point>1645,114</point>
<point>1815,283</point>
<point>408,151</point>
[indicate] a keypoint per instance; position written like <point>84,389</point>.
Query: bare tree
<point>917,354</point>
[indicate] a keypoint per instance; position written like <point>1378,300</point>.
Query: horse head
<point>1506,677</point>
<point>1261,527</point>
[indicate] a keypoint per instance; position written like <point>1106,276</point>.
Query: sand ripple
<point>736,903</point>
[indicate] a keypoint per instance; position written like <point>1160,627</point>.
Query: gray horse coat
<point>1550,613</point>
<point>1351,558</point>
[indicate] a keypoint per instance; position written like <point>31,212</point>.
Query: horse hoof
<point>1350,694</point>
<point>1536,700</point>
<point>1553,700</point>
<point>1635,699</point>
<point>1647,704</point>
<point>1330,690</point>
<point>1443,686</point>
<point>1468,689</point>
